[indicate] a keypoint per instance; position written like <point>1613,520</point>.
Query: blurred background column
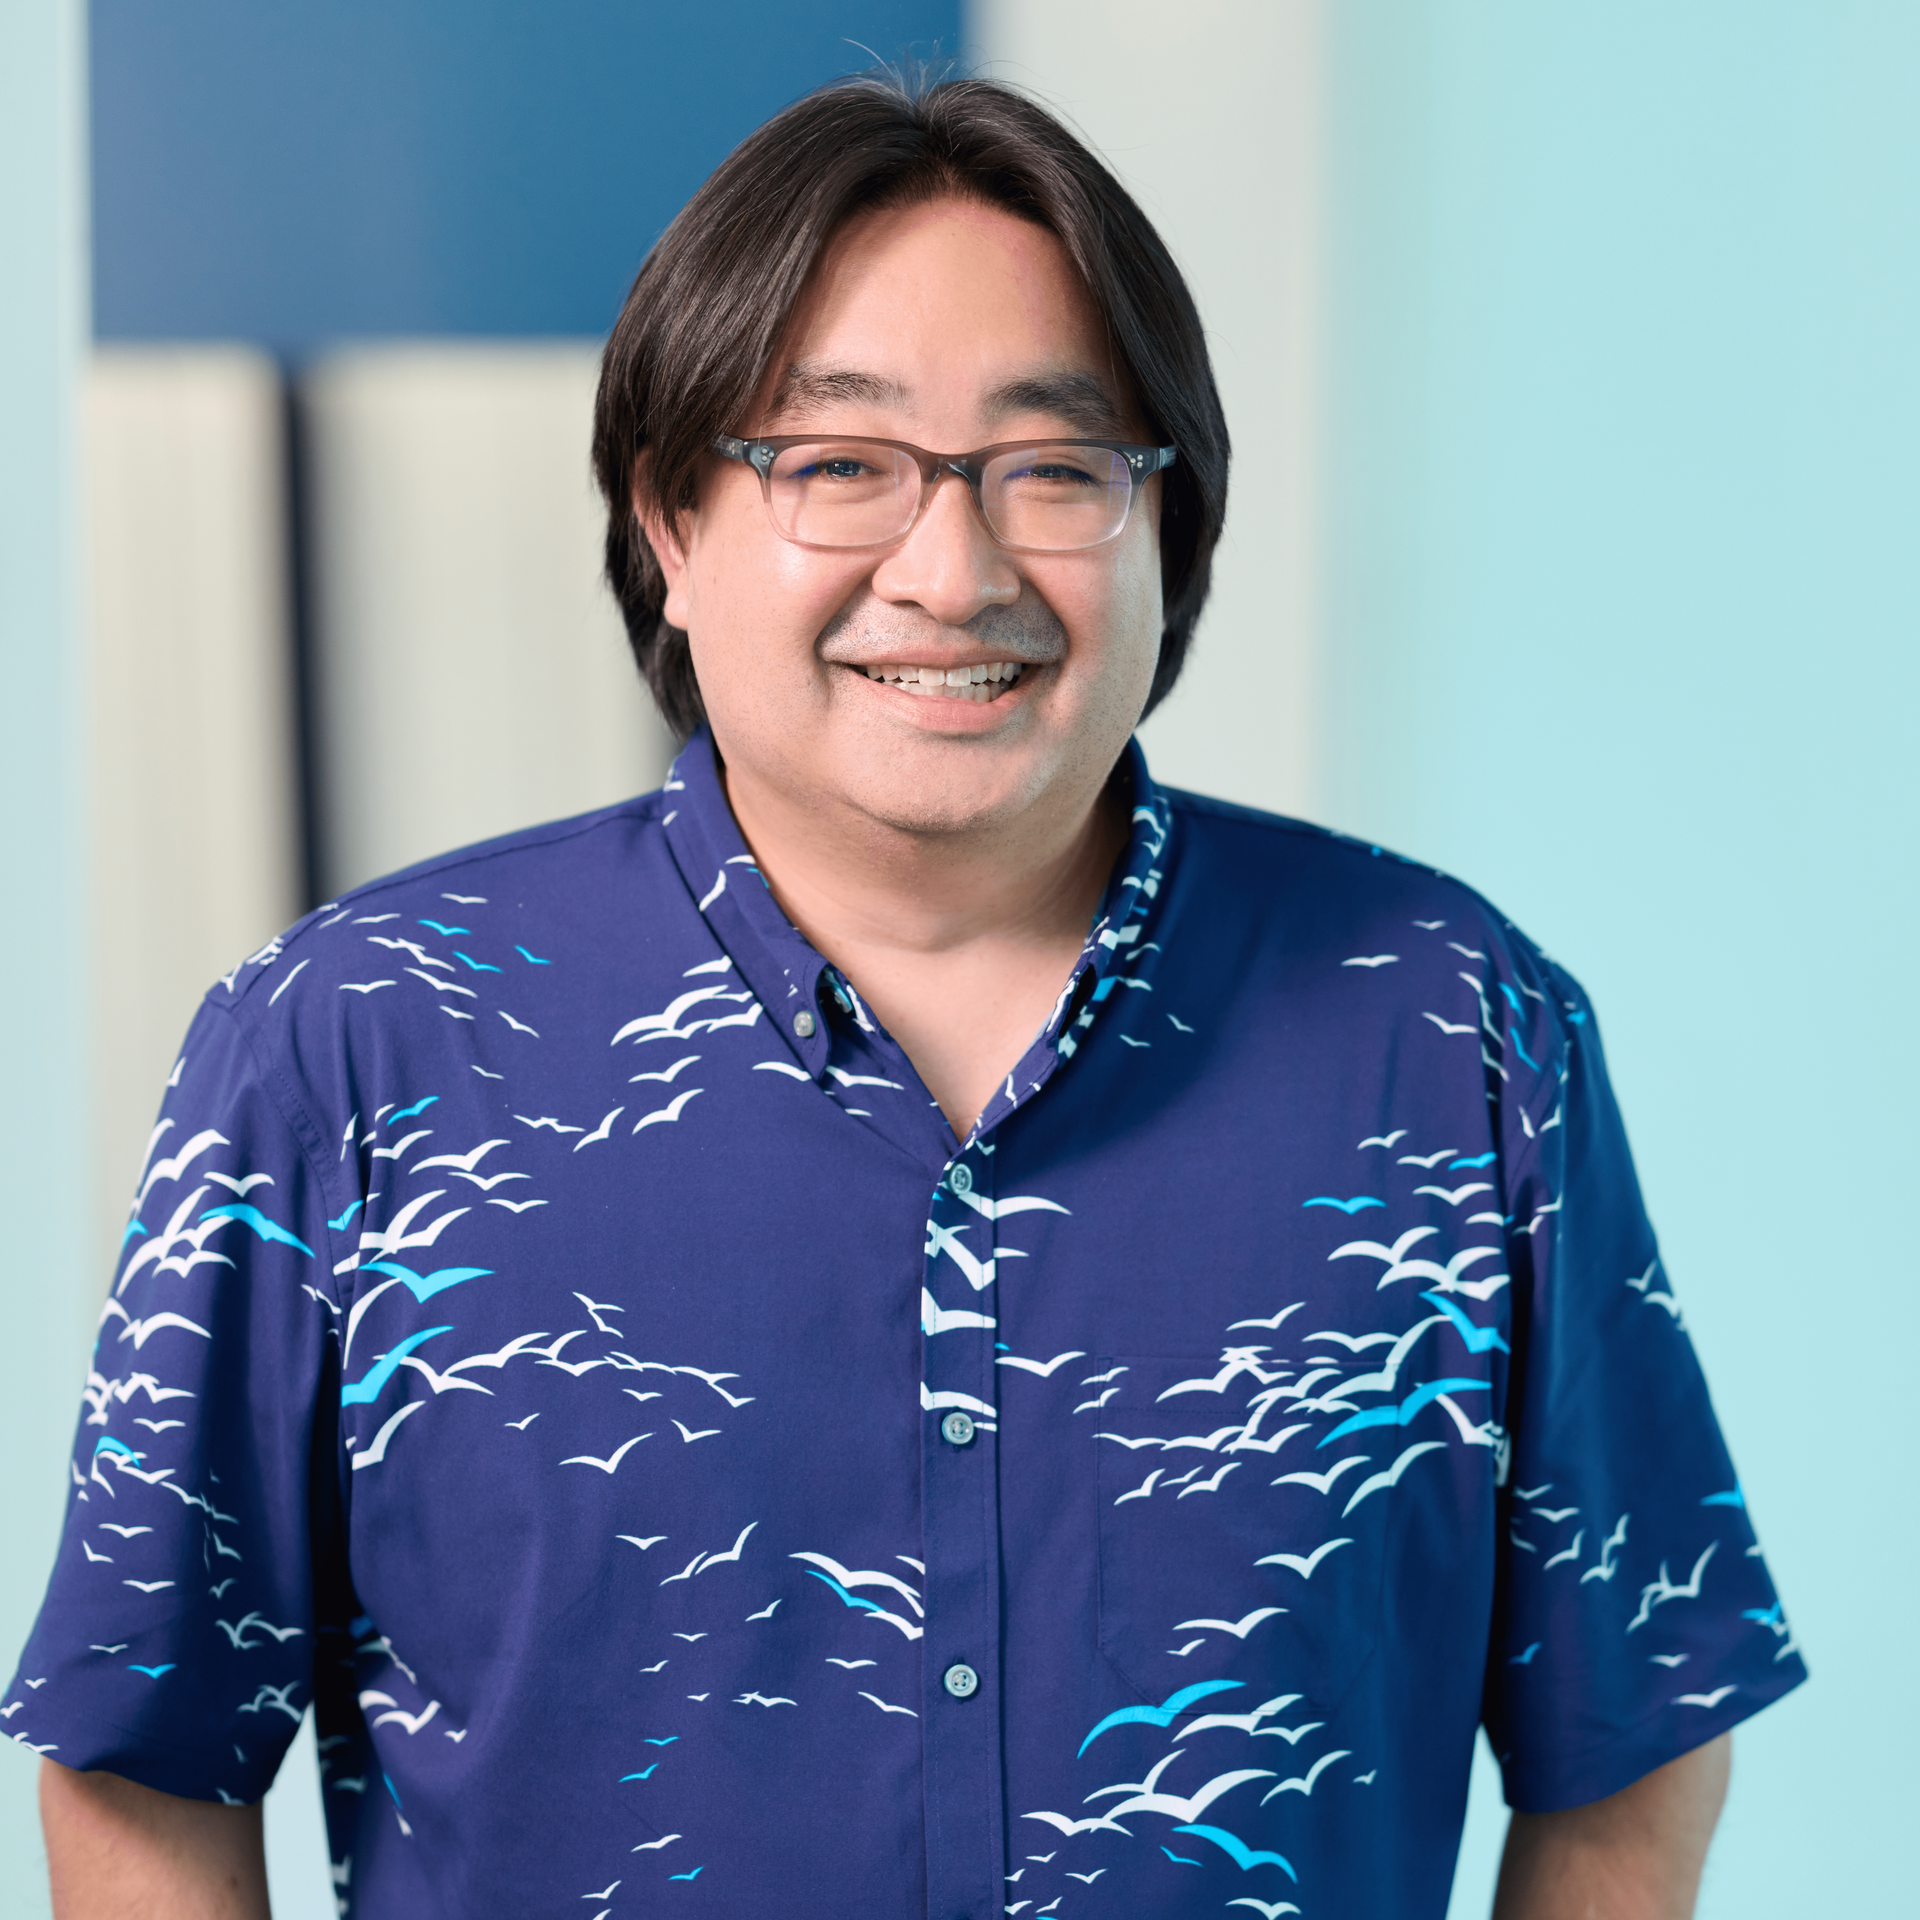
<point>1213,118</point>
<point>47,948</point>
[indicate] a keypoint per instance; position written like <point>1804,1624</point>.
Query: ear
<point>668,539</point>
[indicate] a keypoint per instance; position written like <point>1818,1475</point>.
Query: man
<point>912,1324</point>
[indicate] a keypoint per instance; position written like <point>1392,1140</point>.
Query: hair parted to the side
<point>710,305</point>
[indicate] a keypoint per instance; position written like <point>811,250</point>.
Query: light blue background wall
<point>1622,609</point>
<point>44,943</point>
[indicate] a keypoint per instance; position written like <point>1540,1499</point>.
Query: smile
<point>978,684</point>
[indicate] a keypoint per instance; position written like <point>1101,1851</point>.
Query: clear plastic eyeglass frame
<point>1073,525</point>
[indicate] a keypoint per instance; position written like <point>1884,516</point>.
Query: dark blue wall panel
<point>297,171</point>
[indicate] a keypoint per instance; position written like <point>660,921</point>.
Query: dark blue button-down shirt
<point>542,1314</point>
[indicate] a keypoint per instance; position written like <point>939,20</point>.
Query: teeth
<point>978,684</point>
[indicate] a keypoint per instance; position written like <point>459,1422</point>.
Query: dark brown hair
<point>708,309</point>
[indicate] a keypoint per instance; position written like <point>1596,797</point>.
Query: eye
<point>838,466</point>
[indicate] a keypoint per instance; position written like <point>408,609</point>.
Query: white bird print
<point>419,953</point>
<point>1102,1822</point>
<point>606,1893</point>
<point>1180,1653</point>
<point>1322,1483</point>
<point>1002,1209</point>
<point>400,1146</point>
<point>520,1426</point>
<point>519,1026</point>
<point>1267,1909</point>
<point>397,1237</point>
<point>667,1073</point>
<point>765,1613</point>
<point>1044,1368</point>
<point>413,1722</point>
<point>1605,1567</point>
<point>1089,1878</point>
<point>1712,1699</point>
<point>1371,960</point>
<point>671,1111</point>
<point>732,1553</point>
<point>487,1182</point>
<point>655,1668</point>
<point>1448,1026</point>
<point>1427,1161</point>
<point>1569,1553</point>
<point>1658,1591</point>
<point>713,1380</point>
<point>652,1846</point>
<point>1305,1566</point>
<point>1144,1491</point>
<point>1271,1325</point>
<point>1240,1722</point>
<point>516,1206</point>
<point>91,1555</point>
<point>511,1351</point>
<point>1213,1485</point>
<point>885,1708</point>
<point>174,1168</point>
<point>1374,1483</point>
<point>1238,1628</point>
<point>935,1318</point>
<point>125,1533</point>
<point>612,1462</point>
<point>1186,1809</point>
<point>1304,1784</point>
<point>1234,1361</point>
<point>1669,1659</point>
<point>373,1455</point>
<point>595,1308</point>
<point>1454,1197</point>
<point>640,1541</point>
<point>141,1331</point>
<point>850,1664</point>
<point>688,1435</point>
<point>760,1700</point>
<point>236,1631</point>
<point>274,1700</point>
<point>855,1579</point>
<point>459,1162</point>
<point>666,1024</point>
<point>439,985</point>
<point>601,1131</point>
<point>244,1186</point>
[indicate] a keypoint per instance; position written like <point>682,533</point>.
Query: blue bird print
<point>366,1390</point>
<point>249,1216</point>
<point>446,933</point>
<point>1243,1856</point>
<point>1355,1205</point>
<point>1478,1338</point>
<point>1415,1402</point>
<point>1163,1714</point>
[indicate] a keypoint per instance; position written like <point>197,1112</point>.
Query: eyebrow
<point>806,385</point>
<point>1079,398</point>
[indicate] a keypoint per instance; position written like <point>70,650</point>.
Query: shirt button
<point>957,1429</point>
<point>960,1180</point>
<point>961,1681</point>
<point>803,1025</point>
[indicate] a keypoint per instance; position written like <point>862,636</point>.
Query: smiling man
<point>913,1324</point>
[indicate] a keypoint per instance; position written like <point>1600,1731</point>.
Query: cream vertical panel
<point>196,855</point>
<point>1211,115</point>
<point>471,670</point>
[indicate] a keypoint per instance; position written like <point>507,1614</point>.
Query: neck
<point>959,941</point>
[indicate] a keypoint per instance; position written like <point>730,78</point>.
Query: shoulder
<point>1353,904</point>
<point>515,883</point>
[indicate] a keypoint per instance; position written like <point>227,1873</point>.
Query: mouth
<point>979,684</point>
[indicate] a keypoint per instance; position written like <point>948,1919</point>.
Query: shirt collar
<point>786,972</point>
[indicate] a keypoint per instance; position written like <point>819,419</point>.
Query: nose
<point>948,565</point>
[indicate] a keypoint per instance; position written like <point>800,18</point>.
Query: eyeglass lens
<point>862,493</point>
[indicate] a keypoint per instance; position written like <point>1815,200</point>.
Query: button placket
<point>960,1715</point>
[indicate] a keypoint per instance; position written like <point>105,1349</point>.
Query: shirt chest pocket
<point>1229,1549</point>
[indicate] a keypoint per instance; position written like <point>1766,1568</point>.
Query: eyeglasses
<point>1050,496</point>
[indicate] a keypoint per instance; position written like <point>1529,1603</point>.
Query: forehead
<point>930,309</point>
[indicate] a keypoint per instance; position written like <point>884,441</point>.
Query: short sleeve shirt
<point>560,1341</point>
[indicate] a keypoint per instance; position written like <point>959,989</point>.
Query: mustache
<point>871,631</point>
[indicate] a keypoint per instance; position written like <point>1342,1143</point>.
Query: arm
<point>119,1851</point>
<point>1635,1855</point>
